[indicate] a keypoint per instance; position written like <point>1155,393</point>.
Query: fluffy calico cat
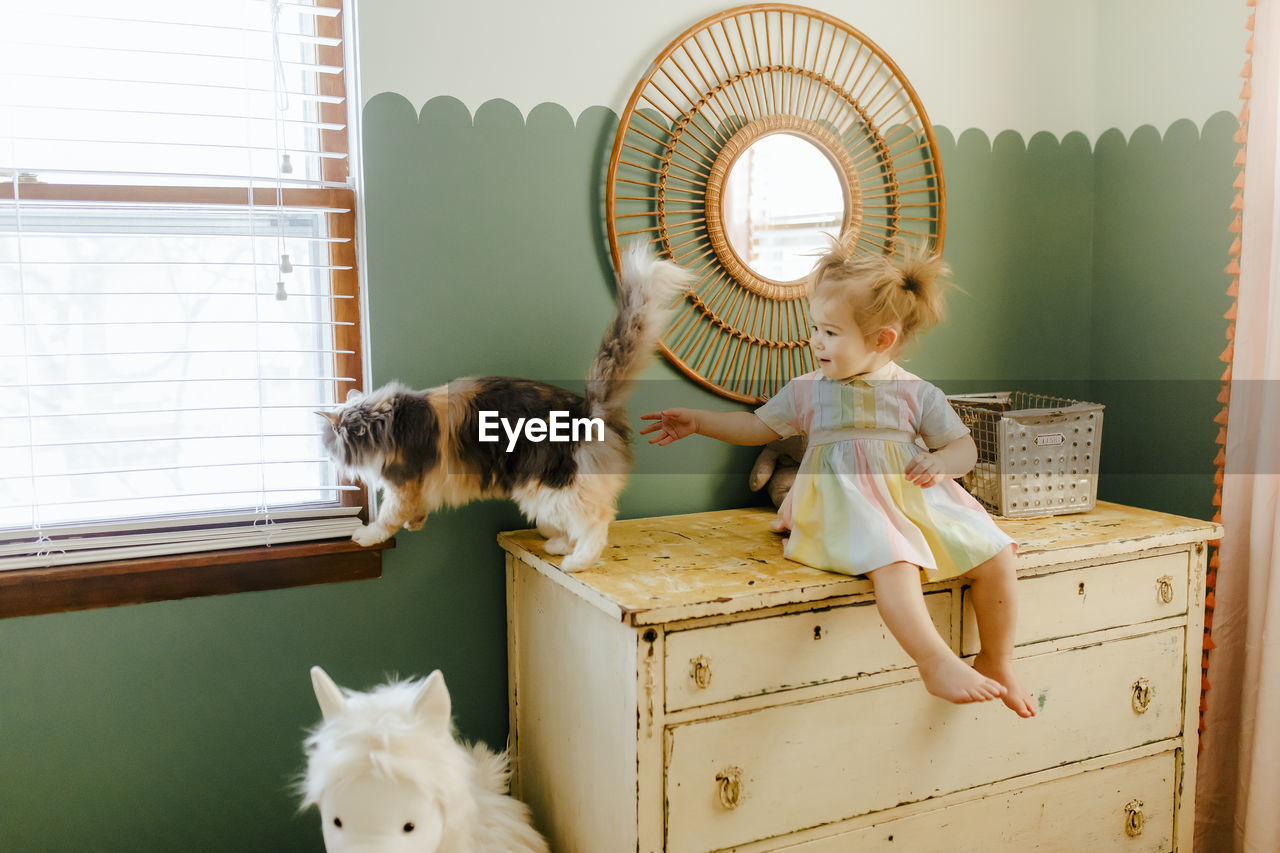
<point>424,448</point>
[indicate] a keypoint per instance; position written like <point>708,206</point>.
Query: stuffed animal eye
<point>408,827</point>
<point>337,821</point>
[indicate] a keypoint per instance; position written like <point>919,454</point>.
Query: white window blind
<point>177,277</point>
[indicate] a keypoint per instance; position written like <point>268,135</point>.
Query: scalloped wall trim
<point>1028,65</point>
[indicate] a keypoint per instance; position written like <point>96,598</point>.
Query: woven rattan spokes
<point>728,81</point>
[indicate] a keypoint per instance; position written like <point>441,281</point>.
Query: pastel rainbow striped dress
<point>851,509</point>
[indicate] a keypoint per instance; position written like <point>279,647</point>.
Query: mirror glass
<point>782,197</point>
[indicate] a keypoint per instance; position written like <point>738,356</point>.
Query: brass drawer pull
<point>1133,818</point>
<point>730,780</point>
<point>1142,692</point>
<point>1166,588</point>
<point>700,671</point>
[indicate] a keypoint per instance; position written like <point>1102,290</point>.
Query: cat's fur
<point>423,449</point>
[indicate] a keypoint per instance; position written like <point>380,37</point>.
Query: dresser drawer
<point>757,775</point>
<point>765,655</point>
<point>1125,807</point>
<point>1063,604</point>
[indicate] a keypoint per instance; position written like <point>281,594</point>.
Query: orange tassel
<point>1248,48</point>
<point>1232,268</point>
<point>1237,203</point>
<point>1224,396</point>
<point>1222,437</point>
<point>1234,227</point>
<point>1231,313</point>
<point>1209,643</point>
<point>1231,331</point>
<point>1249,26</point>
<point>1217,518</point>
<point>1246,91</point>
<point>1208,619</point>
<point>1235,247</point>
<point>1208,601</point>
<point>1244,114</point>
<point>1221,458</point>
<point>1233,289</point>
<point>1228,354</point>
<point>1241,157</point>
<point>1217,478</point>
<point>1238,183</point>
<point>1221,420</point>
<point>1217,498</point>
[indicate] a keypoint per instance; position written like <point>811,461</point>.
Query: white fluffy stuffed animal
<point>388,775</point>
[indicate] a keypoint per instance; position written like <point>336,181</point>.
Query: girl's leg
<point>901,604</point>
<point>995,604</point>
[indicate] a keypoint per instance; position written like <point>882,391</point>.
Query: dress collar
<point>883,373</point>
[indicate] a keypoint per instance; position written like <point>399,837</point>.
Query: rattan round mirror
<point>755,134</point>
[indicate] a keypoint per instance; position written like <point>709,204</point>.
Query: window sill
<point>31,592</point>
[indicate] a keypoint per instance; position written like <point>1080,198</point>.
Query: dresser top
<point>673,567</point>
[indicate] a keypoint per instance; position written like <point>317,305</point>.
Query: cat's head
<point>357,435</point>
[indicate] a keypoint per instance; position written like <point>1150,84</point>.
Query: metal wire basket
<point>1037,455</point>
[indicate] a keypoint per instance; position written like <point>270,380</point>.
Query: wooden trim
<point>31,592</point>
<point>333,141</point>
<point>329,197</point>
<point>344,282</point>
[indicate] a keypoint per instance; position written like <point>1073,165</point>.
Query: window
<point>178,287</point>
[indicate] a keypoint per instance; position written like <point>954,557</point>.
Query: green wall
<point>177,726</point>
<point>1159,295</point>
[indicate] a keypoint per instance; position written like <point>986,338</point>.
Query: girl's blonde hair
<point>882,291</point>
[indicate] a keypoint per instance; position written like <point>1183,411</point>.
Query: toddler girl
<point>868,498</point>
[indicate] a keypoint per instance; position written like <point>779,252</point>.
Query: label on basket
<point>1050,438</point>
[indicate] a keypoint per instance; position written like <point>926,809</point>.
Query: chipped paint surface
<point>712,563</point>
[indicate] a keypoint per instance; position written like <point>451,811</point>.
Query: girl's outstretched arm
<point>733,427</point>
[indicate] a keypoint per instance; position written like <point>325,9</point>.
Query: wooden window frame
<point>37,591</point>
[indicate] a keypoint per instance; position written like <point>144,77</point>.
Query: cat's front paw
<point>559,545</point>
<point>370,534</point>
<point>415,523</point>
<point>575,563</point>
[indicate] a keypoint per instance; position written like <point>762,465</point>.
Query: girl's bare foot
<point>948,677</point>
<point>1015,696</point>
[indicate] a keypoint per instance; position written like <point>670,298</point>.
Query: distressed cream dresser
<point>698,692</point>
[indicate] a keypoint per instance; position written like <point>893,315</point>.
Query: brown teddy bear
<point>776,466</point>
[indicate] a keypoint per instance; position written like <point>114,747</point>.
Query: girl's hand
<point>672,425</point>
<point>925,470</point>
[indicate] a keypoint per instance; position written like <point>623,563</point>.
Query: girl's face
<point>837,343</point>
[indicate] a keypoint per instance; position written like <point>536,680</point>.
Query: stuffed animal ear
<point>762,470</point>
<point>433,705</point>
<point>353,394</point>
<point>328,694</point>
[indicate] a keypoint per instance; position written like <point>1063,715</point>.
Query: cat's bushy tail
<point>647,289</point>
